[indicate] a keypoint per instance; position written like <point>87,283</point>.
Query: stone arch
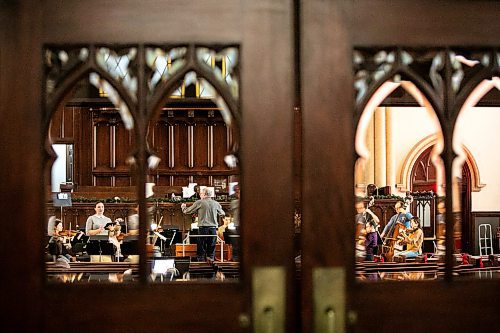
<point>404,181</point>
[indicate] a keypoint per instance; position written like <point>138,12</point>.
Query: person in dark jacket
<point>370,240</point>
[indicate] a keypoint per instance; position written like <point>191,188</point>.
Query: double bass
<point>392,242</point>
<point>360,234</point>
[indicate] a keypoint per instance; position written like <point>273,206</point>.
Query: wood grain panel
<point>123,146</point>
<point>180,181</point>
<point>181,144</point>
<point>123,181</point>
<point>220,147</point>
<point>200,151</point>
<point>102,143</point>
<point>162,180</point>
<point>103,180</point>
<point>84,149</point>
<point>160,143</point>
<point>56,125</point>
<point>68,123</point>
<point>201,180</point>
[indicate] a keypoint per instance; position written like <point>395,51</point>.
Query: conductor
<point>208,211</point>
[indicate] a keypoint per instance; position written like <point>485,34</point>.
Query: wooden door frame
<point>329,33</point>
<point>263,30</point>
<point>467,222</point>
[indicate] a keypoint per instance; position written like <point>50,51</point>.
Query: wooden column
<point>369,177</point>
<point>390,160</point>
<point>380,147</point>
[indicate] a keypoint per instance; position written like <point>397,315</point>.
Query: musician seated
<point>115,236</point>
<point>59,242</point>
<point>401,216</point>
<point>414,238</point>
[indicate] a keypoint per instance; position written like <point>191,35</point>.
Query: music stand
<point>163,266</point>
<point>129,245</point>
<point>96,246</point>
<point>62,199</point>
<point>171,235</point>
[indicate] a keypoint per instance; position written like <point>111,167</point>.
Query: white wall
<point>410,126</point>
<point>59,167</point>
<point>479,130</point>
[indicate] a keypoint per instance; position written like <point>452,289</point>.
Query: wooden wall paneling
<point>181,141</point>
<point>180,180</point>
<point>102,180</point>
<point>202,180</point>
<point>84,149</point>
<point>200,146</point>
<point>102,145</point>
<point>122,180</point>
<point>161,180</point>
<point>220,147</point>
<point>122,148</point>
<point>68,123</point>
<point>102,154</point>
<point>56,125</point>
<point>160,143</point>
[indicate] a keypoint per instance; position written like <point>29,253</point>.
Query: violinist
<point>61,240</point>
<point>414,238</point>
<point>116,236</point>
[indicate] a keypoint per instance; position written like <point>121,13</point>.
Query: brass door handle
<point>329,299</point>
<point>268,288</point>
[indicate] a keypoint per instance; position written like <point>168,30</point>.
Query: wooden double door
<point>296,150</point>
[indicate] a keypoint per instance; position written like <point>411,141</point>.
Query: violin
<point>121,236</point>
<point>68,233</point>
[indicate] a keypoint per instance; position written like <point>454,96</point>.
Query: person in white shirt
<point>96,223</point>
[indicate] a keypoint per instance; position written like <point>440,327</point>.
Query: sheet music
<point>161,266</point>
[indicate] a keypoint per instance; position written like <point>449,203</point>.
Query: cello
<point>392,241</point>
